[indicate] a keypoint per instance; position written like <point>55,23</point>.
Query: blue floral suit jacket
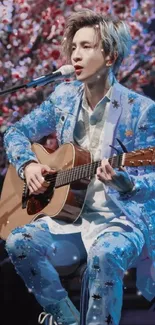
<point>131,118</point>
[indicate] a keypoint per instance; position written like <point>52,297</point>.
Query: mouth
<point>78,69</point>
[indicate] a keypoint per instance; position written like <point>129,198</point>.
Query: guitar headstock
<point>141,157</point>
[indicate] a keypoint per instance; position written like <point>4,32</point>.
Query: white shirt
<point>100,214</point>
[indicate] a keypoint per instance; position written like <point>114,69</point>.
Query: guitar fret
<point>65,177</point>
<point>69,177</point>
<point>83,171</point>
<point>61,179</point>
<point>80,173</point>
<point>76,173</point>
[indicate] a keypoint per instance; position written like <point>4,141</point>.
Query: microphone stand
<point>41,81</point>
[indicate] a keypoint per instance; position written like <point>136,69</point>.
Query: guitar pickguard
<point>37,203</point>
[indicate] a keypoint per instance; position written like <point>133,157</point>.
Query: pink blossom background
<point>30,36</point>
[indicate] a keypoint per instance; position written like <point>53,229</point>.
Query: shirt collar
<point>106,98</point>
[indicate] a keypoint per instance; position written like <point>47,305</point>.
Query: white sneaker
<point>68,314</point>
<point>44,316</point>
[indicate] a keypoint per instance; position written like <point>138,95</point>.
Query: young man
<point>117,222</point>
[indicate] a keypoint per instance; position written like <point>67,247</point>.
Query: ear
<point>110,59</point>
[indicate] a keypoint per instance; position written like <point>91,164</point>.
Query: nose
<point>76,55</point>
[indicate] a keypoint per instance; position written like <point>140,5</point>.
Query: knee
<point>16,241</point>
<point>100,258</point>
<point>11,244</point>
<point>105,252</point>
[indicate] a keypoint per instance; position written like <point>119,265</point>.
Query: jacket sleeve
<point>143,194</point>
<point>31,128</point>
<point>145,138</point>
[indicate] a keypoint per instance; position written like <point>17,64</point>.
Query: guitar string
<point>62,177</point>
<point>80,168</point>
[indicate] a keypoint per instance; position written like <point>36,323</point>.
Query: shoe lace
<point>43,316</point>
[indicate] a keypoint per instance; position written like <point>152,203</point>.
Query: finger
<point>32,187</point>
<point>105,164</point>
<point>100,174</point>
<point>109,170</point>
<point>105,172</point>
<point>45,168</point>
<point>39,178</point>
<point>34,183</point>
<point>52,171</point>
<point>99,171</point>
<point>40,191</point>
<point>104,161</point>
<point>38,181</point>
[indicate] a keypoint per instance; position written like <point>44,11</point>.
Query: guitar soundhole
<point>38,202</point>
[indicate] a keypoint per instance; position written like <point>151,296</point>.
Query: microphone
<point>63,72</point>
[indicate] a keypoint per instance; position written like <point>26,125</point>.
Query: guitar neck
<point>141,157</point>
<point>86,171</point>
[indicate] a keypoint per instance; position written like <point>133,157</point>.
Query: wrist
<point>21,171</point>
<point>123,182</point>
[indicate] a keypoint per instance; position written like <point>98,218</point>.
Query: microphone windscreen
<point>66,70</point>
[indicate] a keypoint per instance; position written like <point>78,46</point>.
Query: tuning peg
<point>122,145</point>
<point>151,149</point>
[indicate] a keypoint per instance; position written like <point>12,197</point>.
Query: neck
<point>95,91</point>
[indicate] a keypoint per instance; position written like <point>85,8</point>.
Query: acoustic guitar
<point>66,191</point>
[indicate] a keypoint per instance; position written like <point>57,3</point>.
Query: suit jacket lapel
<point>113,115</point>
<point>69,123</point>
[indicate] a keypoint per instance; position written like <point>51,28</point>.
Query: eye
<point>86,46</point>
<point>73,48</point>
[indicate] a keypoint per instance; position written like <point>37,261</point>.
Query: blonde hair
<point>113,32</point>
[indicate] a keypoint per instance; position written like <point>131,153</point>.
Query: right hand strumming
<point>34,177</point>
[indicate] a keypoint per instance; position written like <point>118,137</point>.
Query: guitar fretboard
<point>68,176</point>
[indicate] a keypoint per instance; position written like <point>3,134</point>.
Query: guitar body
<point>65,195</point>
<point>65,203</point>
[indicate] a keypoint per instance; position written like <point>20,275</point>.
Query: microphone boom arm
<point>63,72</point>
<point>41,81</point>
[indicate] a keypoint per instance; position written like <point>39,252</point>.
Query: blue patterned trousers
<point>40,257</point>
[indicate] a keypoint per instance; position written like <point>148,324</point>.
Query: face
<point>87,55</point>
